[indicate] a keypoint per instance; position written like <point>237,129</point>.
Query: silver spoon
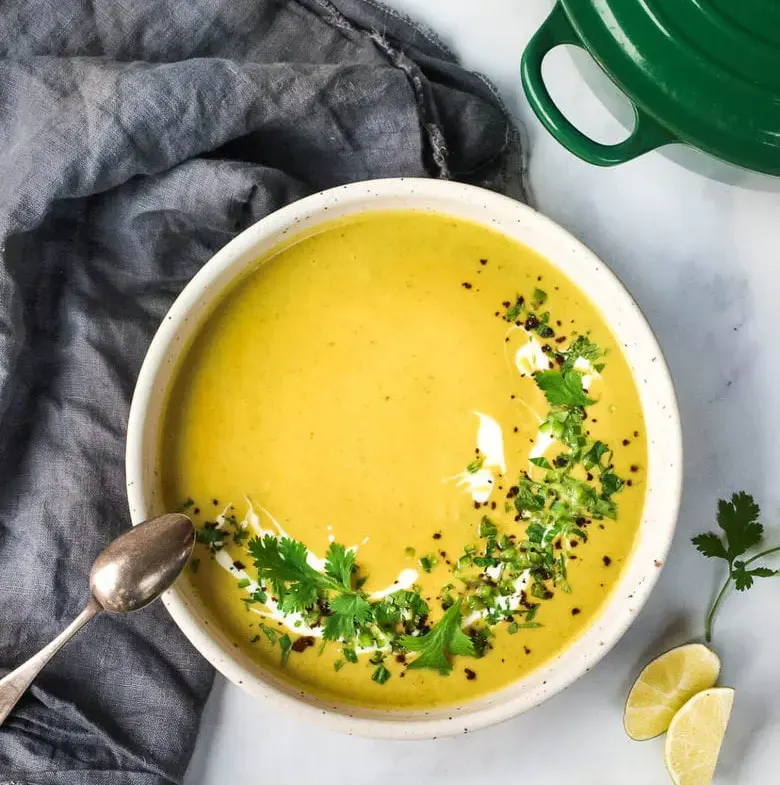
<point>131,572</point>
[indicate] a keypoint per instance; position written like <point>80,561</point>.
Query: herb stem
<point>714,608</point>
<point>761,555</point>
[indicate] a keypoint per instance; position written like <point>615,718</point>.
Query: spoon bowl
<point>141,564</point>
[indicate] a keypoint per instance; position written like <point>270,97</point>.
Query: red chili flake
<point>626,442</point>
<point>636,434</point>
<point>506,304</point>
<point>466,285</point>
<point>483,261</point>
<point>477,505</point>
<point>607,561</point>
<point>575,611</point>
<point>470,674</point>
<point>303,643</point>
<point>437,535</point>
<point>634,468</point>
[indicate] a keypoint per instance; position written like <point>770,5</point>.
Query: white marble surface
<point>703,261</point>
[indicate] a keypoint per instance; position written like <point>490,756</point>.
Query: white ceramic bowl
<point>659,405</point>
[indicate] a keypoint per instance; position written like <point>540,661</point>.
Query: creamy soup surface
<point>384,385</point>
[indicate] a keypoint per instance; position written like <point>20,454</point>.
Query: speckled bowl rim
<point>664,477</point>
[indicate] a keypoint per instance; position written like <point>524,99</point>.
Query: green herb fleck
<point>380,675</point>
<point>286,645</point>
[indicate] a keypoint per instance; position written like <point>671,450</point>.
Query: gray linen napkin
<point>136,138</point>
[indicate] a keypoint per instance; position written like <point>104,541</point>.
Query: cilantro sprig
<point>738,520</point>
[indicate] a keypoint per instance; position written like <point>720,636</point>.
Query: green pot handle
<point>647,134</point>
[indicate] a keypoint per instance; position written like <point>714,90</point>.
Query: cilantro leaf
<point>739,520</point>
<point>339,562</point>
<point>348,611</point>
<point>437,645</point>
<point>710,545</point>
<point>743,577</point>
<point>563,388</point>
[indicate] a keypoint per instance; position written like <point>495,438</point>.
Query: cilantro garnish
<point>539,298</point>
<point>210,536</point>
<point>286,646</point>
<point>738,519</point>
<point>444,640</point>
<point>514,311</point>
<point>563,388</point>
<point>380,675</point>
<point>475,465</point>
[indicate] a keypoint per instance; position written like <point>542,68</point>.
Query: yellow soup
<point>443,410</point>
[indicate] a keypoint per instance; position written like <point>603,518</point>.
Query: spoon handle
<point>17,681</point>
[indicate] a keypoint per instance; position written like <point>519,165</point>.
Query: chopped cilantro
<point>210,536</point>
<point>380,675</point>
<point>514,311</point>
<point>286,646</point>
<point>539,298</point>
<point>475,465</point>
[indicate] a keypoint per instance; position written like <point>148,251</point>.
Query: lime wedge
<point>665,685</point>
<point>695,735</point>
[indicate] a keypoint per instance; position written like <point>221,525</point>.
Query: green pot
<point>704,73</point>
